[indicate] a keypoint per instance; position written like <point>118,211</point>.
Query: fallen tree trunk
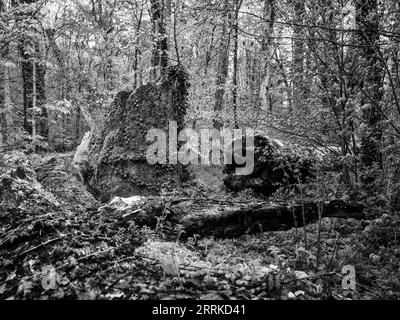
<point>223,219</point>
<point>62,179</point>
<point>232,222</point>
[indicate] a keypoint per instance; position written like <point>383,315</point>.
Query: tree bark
<point>267,54</point>
<point>371,82</point>
<point>222,67</point>
<point>27,76</point>
<point>160,46</point>
<point>298,55</point>
<point>137,81</point>
<point>4,81</point>
<point>5,108</point>
<point>238,4</point>
<point>34,106</point>
<point>29,50</point>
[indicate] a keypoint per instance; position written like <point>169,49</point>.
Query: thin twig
<point>39,246</point>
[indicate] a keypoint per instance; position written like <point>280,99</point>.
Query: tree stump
<point>122,168</point>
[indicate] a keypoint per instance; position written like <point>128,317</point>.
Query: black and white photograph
<point>210,152</point>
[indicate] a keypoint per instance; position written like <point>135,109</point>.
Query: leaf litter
<point>52,250</point>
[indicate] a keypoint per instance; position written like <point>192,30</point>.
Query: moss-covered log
<point>253,218</point>
<point>62,179</point>
<point>222,218</point>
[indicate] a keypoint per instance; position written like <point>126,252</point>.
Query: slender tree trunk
<point>282,70</point>
<point>27,88</point>
<point>29,47</point>
<point>136,82</point>
<point>238,4</point>
<point>267,54</point>
<point>160,46</point>
<point>222,68</point>
<point>5,95</point>
<point>34,106</point>
<point>7,102</point>
<point>27,76</point>
<point>3,125</point>
<point>209,51</point>
<point>249,66</point>
<point>371,82</point>
<point>298,55</point>
<point>78,124</point>
<point>176,37</point>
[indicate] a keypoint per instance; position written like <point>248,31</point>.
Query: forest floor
<point>52,248</point>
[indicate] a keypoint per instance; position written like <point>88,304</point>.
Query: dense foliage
<point>321,78</point>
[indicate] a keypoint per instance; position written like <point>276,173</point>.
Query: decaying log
<point>62,179</point>
<point>223,218</point>
<point>231,222</point>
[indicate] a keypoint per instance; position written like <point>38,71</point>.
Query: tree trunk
<point>395,192</point>
<point>5,108</point>
<point>160,46</point>
<point>5,97</point>
<point>267,54</point>
<point>34,106</point>
<point>298,55</point>
<point>224,219</point>
<point>136,82</point>
<point>29,48</point>
<point>250,68</point>
<point>238,4</point>
<point>282,71</point>
<point>222,67</point>
<point>371,81</point>
<point>27,76</point>
<point>178,60</point>
<point>209,51</point>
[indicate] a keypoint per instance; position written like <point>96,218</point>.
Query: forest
<point>207,150</point>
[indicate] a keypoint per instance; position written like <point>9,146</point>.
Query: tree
<point>222,65</point>
<point>371,84</point>
<point>160,46</point>
<point>30,50</point>
<point>267,53</point>
<point>238,4</point>
<point>298,54</point>
<point>5,99</point>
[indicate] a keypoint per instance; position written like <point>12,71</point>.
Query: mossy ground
<point>90,257</point>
